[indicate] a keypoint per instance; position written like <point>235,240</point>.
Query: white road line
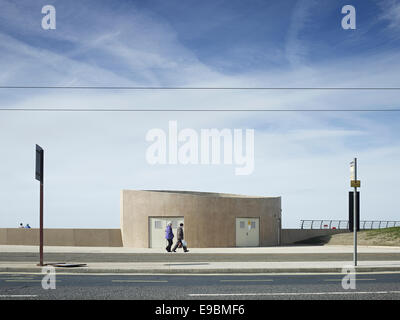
<point>356,279</point>
<point>140,281</point>
<point>205,274</point>
<point>246,280</point>
<point>17,278</point>
<point>18,295</point>
<point>26,280</point>
<point>291,293</point>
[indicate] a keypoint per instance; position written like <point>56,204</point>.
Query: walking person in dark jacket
<point>179,233</point>
<point>169,235</point>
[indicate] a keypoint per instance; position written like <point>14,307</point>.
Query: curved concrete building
<point>210,219</point>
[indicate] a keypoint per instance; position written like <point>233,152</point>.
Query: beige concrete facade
<point>210,222</point>
<point>62,237</point>
<point>209,217</point>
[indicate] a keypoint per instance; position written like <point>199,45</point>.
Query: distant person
<point>169,235</point>
<point>180,239</point>
<point>21,225</point>
<point>27,226</point>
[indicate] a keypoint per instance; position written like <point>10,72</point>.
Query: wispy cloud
<point>391,13</point>
<point>302,15</point>
<point>91,156</point>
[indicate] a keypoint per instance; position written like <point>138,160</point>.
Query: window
<point>174,224</point>
<point>253,225</point>
<point>241,224</point>
<point>157,224</point>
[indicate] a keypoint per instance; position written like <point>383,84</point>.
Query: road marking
<point>359,272</point>
<point>26,280</point>
<point>290,293</point>
<point>18,295</point>
<point>140,281</point>
<point>246,280</point>
<point>356,279</point>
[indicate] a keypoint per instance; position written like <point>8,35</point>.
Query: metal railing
<point>344,224</point>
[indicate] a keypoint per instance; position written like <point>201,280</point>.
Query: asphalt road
<point>373,286</point>
<point>192,257</point>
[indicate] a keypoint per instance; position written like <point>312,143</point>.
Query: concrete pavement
<point>257,250</point>
<point>291,259</point>
<point>212,267</point>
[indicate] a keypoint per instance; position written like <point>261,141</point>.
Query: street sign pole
<point>355,213</point>
<point>40,177</point>
<point>41,222</point>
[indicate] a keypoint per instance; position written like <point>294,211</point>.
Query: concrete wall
<point>210,218</point>
<point>290,236</point>
<point>112,237</point>
<point>62,237</point>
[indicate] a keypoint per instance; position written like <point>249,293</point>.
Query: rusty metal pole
<point>39,175</point>
<point>41,224</point>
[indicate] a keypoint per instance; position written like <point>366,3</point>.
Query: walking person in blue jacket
<point>169,235</point>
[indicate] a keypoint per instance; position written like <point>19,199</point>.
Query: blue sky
<point>302,156</point>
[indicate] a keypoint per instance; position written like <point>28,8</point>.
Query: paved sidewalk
<point>212,267</point>
<point>203,261</point>
<point>255,250</point>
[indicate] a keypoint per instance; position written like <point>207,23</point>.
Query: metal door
<point>247,232</point>
<point>157,226</point>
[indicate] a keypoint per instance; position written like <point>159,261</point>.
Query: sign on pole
<point>351,211</point>
<point>39,163</point>
<point>352,171</point>
<point>354,183</point>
